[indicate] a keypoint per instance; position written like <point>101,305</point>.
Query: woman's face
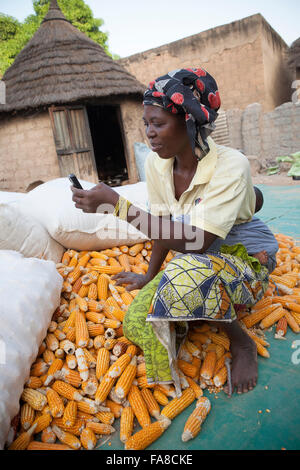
<point>166,132</point>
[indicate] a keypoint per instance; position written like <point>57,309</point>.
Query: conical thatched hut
<point>69,109</point>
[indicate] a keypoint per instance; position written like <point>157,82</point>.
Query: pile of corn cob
<point>88,374</point>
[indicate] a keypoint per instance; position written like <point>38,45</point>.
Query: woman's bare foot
<point>244,359</point>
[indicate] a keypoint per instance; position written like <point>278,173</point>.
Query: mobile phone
<point>75,181</point>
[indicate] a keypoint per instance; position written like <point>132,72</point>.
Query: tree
<point>14,35</point>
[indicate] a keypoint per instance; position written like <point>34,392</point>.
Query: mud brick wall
<point>27,152</point>
<point>247,58</point>
<point>265,134</point>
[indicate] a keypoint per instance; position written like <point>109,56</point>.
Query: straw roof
<point>294,54</point>
<point>59,65</point>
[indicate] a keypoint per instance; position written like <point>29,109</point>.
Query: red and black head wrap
<point>192,92</point>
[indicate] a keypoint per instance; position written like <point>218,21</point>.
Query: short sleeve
<point>156,203</point>
<point>226,200</point>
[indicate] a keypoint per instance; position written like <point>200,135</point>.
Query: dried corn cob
<point>208,365</point>
<point>23,439</point>
<point>110,270</point>
<point>48,356</point>
<point>68,346</point>
<point>292,322</point>
<point>177,405</point>
<point>48,436</point>
<point>42,422</point>
<point>108,323</point>
<point>119,366</point>
<point>66,390</point>
<point>100,428</point>
<point>95,305</point>
<point>66,438</point>
<point>197,390</point>
<point>88,439</point>
<point>76,429</point>
<point>220,377</point>
<point>135,249</point>
<point>87,406</point>
<point>193,424</point>
<point>102,363</point>
<point>109,343</point>
<point>273,317</point>
<point>192,348</point>
<point>82,364</point>
<point>34,398</point>
<point>104,388</point>
<point>188,369</point>
<point>34,382</point>
<point>218,338</point>
<point>160,397</point>
<point>27,416</point>
<point>281,327</point>
<point>99,341</point>
<point>69,376</point>
<point>81,302</point>
<point>142,382</point>
<point>95,329</point>
<point>71,361</point>
<point>126,424</point>
<point>151,403</point>
<point>258,315</point>
<point>166,389</point>
<point>115,408</point>
<point>55,403</point>
<point>124,262</point>
<point>125,380</point>
<point>146,436</point>
<point>51,342</point>
<point>90,386</point>
<point>37,445</point>
<point>81,329</point>
<point>55,366</point>
<point>70,413</point>
<point>138,406</point>
<point>105,417</point>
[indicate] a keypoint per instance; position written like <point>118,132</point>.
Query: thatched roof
<point>59,65</point>
<point>294,54</point>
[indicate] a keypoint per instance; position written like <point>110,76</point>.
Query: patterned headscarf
<point>192,92</point>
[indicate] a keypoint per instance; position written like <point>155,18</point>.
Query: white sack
<point>7,196</point>
<point>51,204</point>
<point>23,233</point>
<point>30,292</point>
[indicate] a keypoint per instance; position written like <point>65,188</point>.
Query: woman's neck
<point>185,162</point>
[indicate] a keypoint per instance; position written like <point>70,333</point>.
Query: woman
<point>197,191</point>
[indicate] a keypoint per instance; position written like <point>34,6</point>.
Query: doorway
<point>105,127</point>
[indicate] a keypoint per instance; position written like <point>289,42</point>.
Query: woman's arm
<point>172,235</point>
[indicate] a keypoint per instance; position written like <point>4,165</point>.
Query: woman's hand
<point>133,281</point>
<point>101,198</point>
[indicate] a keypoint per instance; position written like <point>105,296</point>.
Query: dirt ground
<point>275,180</point>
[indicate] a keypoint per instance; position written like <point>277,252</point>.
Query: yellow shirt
<point>219,196</point>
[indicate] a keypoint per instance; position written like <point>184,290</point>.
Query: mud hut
<point>69,108</point>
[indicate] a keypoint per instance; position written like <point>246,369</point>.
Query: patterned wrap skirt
<point>192,287</point>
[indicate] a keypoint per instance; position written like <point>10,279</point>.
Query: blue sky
<point>137,25</point>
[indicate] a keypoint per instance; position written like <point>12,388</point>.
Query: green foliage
<point>15,35</point>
